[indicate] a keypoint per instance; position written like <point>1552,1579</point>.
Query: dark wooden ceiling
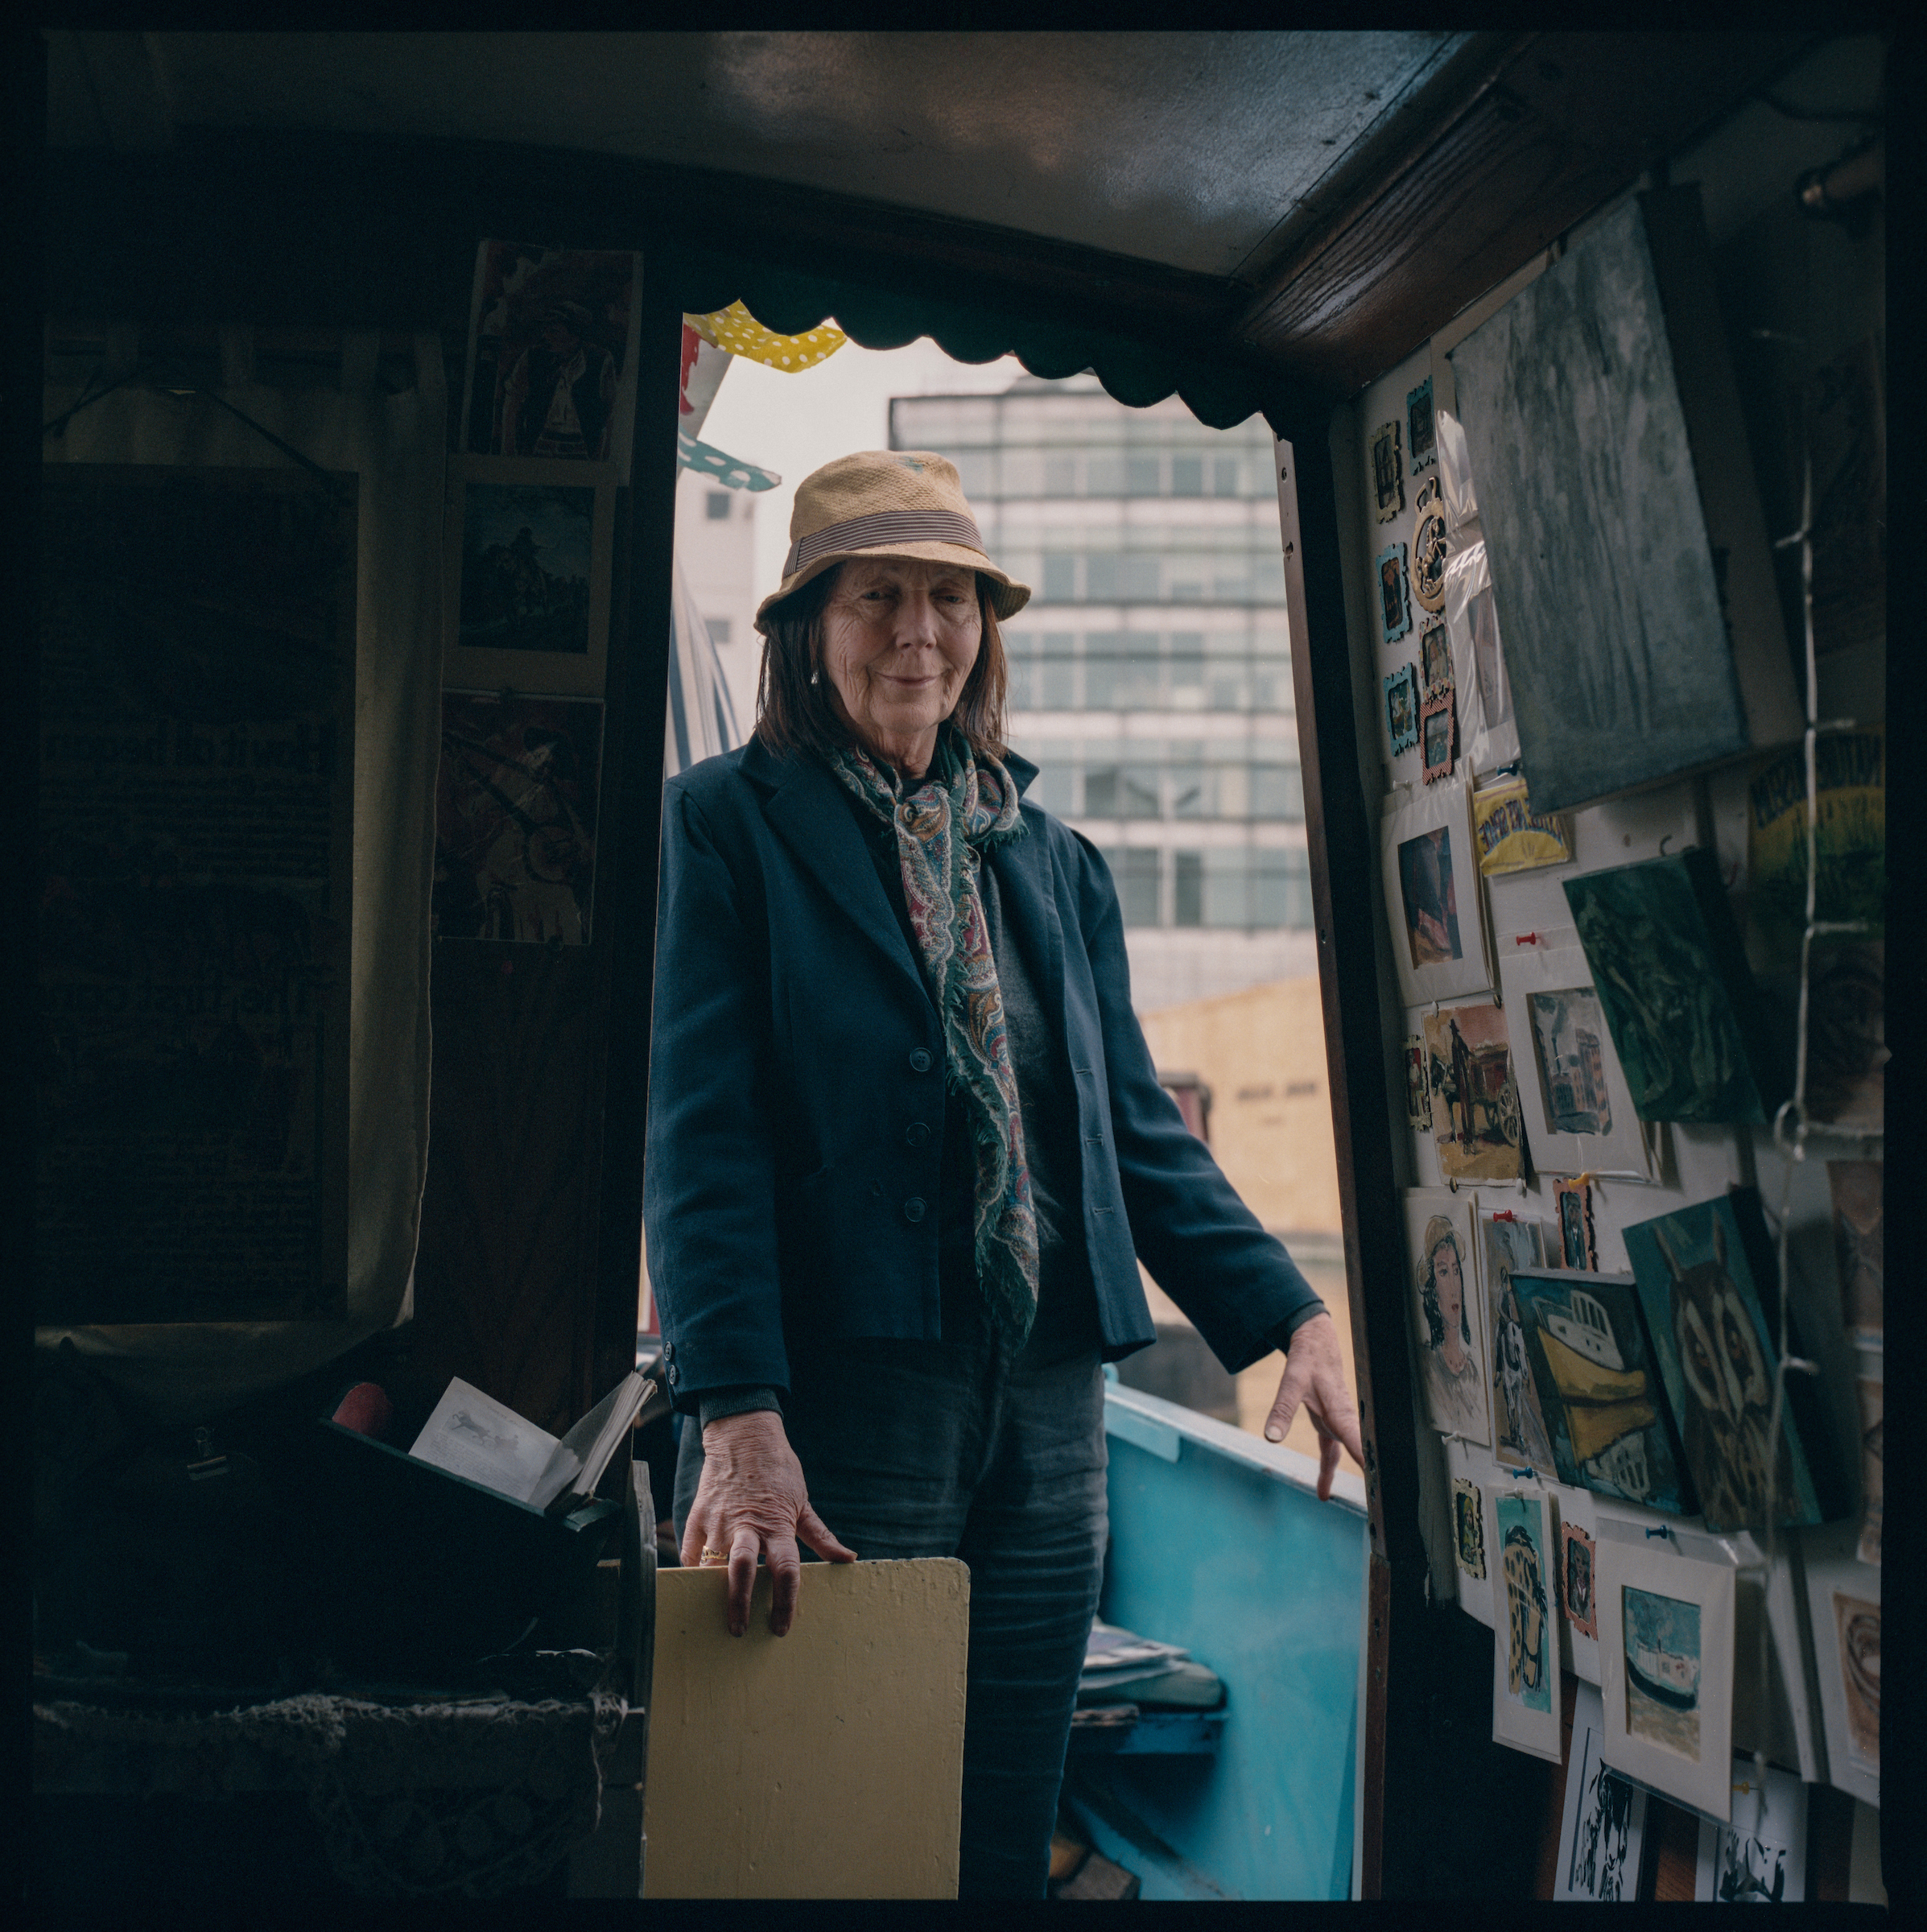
<point>1496,144</point>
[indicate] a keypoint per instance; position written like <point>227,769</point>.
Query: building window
<point>1135,870</point>
<point>1187,889</point>
<point>716,505</point>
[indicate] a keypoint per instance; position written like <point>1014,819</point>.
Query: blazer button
<point>913,1208</point>
<point>916,1133</point>
<point>920,1060</point>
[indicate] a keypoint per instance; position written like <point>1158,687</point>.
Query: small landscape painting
<point>1475,1101</point>
<point>1663,1666</point>
<point>1430,896</point>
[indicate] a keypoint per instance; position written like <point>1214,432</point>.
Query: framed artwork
<point>1468,1527</point>
<point>1674,985</point>
<point>1431,883</point>
<point>529,546</point>
<point>1401,708</point>
<point>1394,606</point>
<point>1850,782</point>
<point>1578,1571</point>
<point>1578,1244</point>
<point>1760,1858</point>
<point>1525,1647</point>
<point>1666,1671</point>
<point>1870,1391</point>
<point>552,341</point>
<point>1512,837</point>
<point>1429,547</point>
<point>1699,1275</point>
<point>1446,1322</point>
<point>1474,1098</point>
<point>195,1134</point>
<point>1434,659</point>
<point>1578,1112</point>
<point>1603,1827</point>
<point>1437,737</point>
<point>1600,1390</point>
<point>1422,436</point>
<point>1507,1244</point>
<point>1859,1246</point>
<point>515,817</point>
<point>1418,1097</point>
<point>1388,479</point>
<point>1843,1613</point>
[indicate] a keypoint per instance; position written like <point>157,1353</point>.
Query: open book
<point>472,1434</point>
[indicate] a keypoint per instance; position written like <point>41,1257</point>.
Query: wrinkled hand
<point>752,1501</point>
<point>1314,1375</point>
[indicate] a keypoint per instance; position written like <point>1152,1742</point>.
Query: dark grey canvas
<point>1603,571</point>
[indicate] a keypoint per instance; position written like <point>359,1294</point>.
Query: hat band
<point>882,527</point>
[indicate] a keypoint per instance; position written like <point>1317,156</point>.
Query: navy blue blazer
<point>796,1109</point>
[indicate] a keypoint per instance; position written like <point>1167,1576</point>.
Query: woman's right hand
<point>752,1501</point>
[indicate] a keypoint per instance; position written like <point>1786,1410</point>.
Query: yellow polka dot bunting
<point>736,332</point>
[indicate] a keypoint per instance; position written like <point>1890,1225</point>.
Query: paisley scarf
<point>962,807</point>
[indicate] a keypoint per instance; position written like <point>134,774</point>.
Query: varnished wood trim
<point>1569,121</point>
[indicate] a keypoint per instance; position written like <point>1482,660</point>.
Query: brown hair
<point>794,714</point>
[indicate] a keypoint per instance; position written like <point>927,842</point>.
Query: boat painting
<point>1599,1391</point>
<point>1662,1655</point>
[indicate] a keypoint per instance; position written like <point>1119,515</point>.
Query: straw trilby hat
<point>886,503</point>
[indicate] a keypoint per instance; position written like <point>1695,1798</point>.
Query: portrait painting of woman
<point>1454,1381</point>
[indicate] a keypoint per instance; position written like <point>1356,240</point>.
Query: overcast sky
<point>796,423</point>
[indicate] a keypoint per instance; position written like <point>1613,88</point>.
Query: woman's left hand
<point>1314,1375</point>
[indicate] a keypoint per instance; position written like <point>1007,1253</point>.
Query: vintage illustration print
<point>1859,1245</point>
<point>1446,1318</point>
<point>1600,1390</point>
<point>1872,1399</point>
<point>1401,708</point>
<point>1430,894</point>
<point>1429,548</point>
<point>1507,1245</point>
<point>1512,837</point>
<point>526,566</point>
<point>1418,1098</point>
<point>515,817</point>
<point>1388,482</point>
<point>1709,1336</point>
<point>1569,1033</point>
<point>1475,1102</point>
<point>1576,1571</point>
<point>1532,1660</point>
<point>1394,607</point>
<point>1578,1246</point>
<point>1468,1523</point>
<point>1857,1626</point>
<point>1434,659</point>
<point>550,352</point>
<point>1603,1832</point>
<point>1673,980</point>
<point>1437,737</point>
<point>1663,1665</point>
<point>1422,434</point>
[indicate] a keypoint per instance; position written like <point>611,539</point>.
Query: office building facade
<point>1150,674</point>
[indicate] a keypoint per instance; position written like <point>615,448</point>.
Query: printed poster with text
<point>196,799</point>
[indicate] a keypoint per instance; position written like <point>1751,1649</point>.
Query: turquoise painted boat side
<point>1218,1542</point>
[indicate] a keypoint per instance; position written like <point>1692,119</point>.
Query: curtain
<point>396,445</point>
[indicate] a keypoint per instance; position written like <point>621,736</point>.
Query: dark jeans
<point>944,1449</point>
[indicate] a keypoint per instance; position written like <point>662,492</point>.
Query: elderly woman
<point>906,1145</point>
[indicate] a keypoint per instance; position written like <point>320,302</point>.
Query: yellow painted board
<point>827,1764</point>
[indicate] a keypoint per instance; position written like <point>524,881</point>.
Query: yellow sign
<point>1511,836</point>
<point>736,332</point>
<point>1850,786</point>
